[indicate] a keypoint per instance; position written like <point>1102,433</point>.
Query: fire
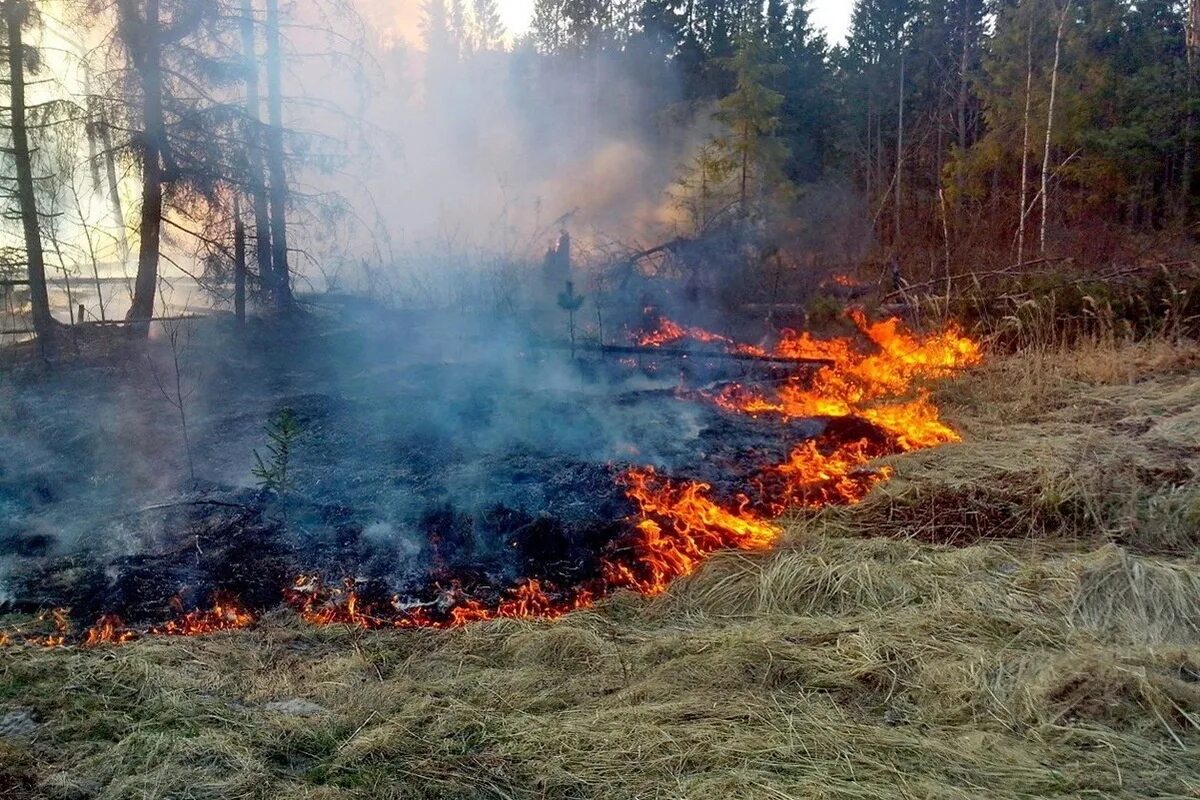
<point>109,629</point>
<point>680,528</point>
<point>227,614</point>
<point>677,525</point>
<point>877,387</point>
<point>669,332</point>
<point>58,618</point>
<point>319,604</point>
<point>812,479</point>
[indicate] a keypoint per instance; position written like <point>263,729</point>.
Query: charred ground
<point>433,460</point>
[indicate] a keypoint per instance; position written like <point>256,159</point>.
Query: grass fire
<point>594,400</point>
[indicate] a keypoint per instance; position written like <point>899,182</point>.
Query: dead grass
<point>1013,617</point>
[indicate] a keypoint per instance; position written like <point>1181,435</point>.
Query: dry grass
<point>1014,617</point>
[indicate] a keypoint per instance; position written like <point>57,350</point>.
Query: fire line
<point>678,525</point>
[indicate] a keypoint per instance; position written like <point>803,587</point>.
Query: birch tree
<point>1058,38</point>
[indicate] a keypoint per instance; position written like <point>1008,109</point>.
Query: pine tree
<point>488,30</point>
<point>750,114</point>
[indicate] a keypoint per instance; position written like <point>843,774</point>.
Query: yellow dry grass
<point>1017,616</point>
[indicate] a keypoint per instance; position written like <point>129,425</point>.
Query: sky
<point>831,15</point>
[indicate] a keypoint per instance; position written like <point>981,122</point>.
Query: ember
<point>668,332</point>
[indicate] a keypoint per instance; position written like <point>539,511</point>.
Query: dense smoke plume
<point>474,154</point>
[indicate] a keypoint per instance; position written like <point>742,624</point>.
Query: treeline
<point>940,134</point>
<point>998,131</point>
<point>173,108</point>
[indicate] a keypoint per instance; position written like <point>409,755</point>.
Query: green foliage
<point>824,311</point>
<point>704,188</point>
<point>750,114</point>
<point>569,300</point>
<point>486,26</point>
<point>273,472</point>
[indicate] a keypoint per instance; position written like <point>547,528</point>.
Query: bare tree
<point>1025,148</point>
<point>174,389</point>
<point>1062,23</point>
<point>142,31</point>
<point>1192,45</point>
<point>255,183</point>
<point>276,159</point>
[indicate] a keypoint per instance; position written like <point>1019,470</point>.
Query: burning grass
<point>866,394</point>
<point>1011,616</point>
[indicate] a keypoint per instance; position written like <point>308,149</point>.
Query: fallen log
<point>714,355</point>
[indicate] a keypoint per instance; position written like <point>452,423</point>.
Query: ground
<point>1015,616</point>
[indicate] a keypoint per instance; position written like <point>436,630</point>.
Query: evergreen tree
<point>750,114</point>
<point>487,29</point>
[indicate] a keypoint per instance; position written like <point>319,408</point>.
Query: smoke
<point>479,154</point>
<point>424,438</point>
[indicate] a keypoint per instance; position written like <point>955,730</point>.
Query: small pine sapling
<point>174,389</point>
<point>273,472</point>
<point>570,302</point>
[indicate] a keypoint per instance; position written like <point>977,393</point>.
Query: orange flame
<point>680,528</point>
<point>109,629</point>
<point>669,332</point>
<point>873,386</point>
<point>227,614</point>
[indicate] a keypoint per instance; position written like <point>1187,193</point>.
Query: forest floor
<point>1016,616</point>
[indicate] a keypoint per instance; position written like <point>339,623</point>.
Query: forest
<point>599,399</point>
<point>939,140</point>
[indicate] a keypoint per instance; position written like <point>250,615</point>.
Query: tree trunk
<point>745,161</point>
<point>114,193</point>
<point>900,151</point>
<point>1024,210</point>
<point>963,87</point>
<point>239,262</point>
<point>149,67</point>
<point>15,13</point>
<point>256,183</point>
<point>869,169</point>
<point>964,96</point>
<point>1062,23</point>
<point>1189,128</point>
<point>275,157</point>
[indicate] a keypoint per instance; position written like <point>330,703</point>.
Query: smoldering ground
<point>431,447</point>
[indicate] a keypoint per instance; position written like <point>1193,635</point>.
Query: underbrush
<point>1016,616</point>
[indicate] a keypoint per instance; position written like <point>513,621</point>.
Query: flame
<point>227,614</point>
<point>109,629</point>
<point>319,604</point>
<point>668,332</point>
<point>679,529</point>
<point>58,618</point>
<point>811,478</point>
<point>677,525</point>
<point>876,387</point>
<point>844,281</point>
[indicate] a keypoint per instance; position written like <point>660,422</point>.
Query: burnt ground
<point>430,451</point>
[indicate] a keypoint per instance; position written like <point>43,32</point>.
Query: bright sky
<point>831,15</point>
